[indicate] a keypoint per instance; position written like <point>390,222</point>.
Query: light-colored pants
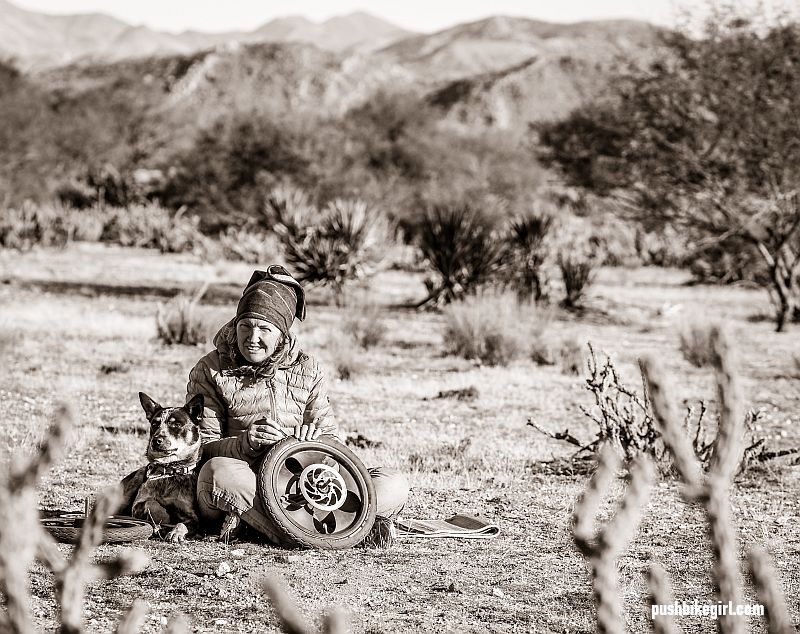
<point>228,485</point>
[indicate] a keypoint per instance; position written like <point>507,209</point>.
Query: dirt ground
<point>98,350</point>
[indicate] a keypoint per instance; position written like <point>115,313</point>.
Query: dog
<point>163,492</point>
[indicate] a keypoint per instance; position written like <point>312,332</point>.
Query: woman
<point>260,387</point>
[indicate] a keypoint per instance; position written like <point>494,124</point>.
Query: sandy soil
<point>98,350</point>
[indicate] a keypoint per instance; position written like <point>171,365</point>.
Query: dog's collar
<point>156,470</point>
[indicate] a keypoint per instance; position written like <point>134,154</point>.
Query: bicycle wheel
<point>317,493</point>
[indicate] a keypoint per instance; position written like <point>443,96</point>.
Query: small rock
<point>223,569</point>
<point>238,552</point>
<point>498,592</point>
<point>220,621</point>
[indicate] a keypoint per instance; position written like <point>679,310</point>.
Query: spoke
<point>303,518</point>
<point>293,465</point>
<point>324,522</point>
<point>285,481</point>
<point>352,503</point>
<point>304,457</point>
<point>350,481</point>
<point>344,519</point>
<point>294,501</point>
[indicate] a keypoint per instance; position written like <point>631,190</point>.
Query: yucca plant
<point>463,250</point>
<point>527,238</point>
<point>578,273</point>
<point>343,242</point>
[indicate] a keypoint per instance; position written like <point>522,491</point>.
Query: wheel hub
<point>323,487</point>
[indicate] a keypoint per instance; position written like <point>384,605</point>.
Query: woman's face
<point>257,339</point>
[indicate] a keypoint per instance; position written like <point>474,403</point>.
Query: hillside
<point>500,43</point>
<point>444,115</point>
<point>567,66</point>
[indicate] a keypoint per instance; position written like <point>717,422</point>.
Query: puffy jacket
<point>294,395</point>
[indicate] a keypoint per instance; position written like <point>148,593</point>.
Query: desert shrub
<point>663,247</point>
<point>225,171</point>
<point>488,327</point>
<point>626,418</point>
<point>462,249</point>
<point>178,321</point>
<point>344,357</point>
<point>364,324</point>
<point>544,351</point>
<point>695,343</point>
<point>32,225</point>
<point>104,185</point>
<point>567,353</point>
<point>527,238</point>
<point>345,241</point>
<point>603,546</point>
<point>730,261</point>
<point>153,226</point>
<point>88,225</point>
<point>570,356</point>
<point>248,244</point>
<point>458,457</point>
<point>577,273</point>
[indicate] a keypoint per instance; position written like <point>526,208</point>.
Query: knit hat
<point>273,295</point>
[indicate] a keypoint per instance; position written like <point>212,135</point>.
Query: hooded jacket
<point>295,394</point>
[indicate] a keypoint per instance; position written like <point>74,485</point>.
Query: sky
<point>216,15</point>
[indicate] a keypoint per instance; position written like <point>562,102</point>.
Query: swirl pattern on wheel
<point>323,487</point>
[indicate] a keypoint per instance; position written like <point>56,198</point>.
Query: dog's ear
<point>195,407</point>
<point>149,405</point>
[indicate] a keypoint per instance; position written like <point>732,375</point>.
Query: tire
<point>66,528</point>
<point>317,493</point>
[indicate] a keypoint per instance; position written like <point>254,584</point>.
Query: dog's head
<point>174,431</point>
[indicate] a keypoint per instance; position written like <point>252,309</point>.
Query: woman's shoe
<point>382,535</point>
<point>231,528</point>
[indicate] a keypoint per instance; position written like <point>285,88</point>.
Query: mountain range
<point>37,40</point>
<point>500,72</point>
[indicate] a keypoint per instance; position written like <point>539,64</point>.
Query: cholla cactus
<point>22,539</point>
<point>713,490</point>
<point>603,549</point>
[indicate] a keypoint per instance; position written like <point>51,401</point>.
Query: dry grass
<point>364,323</point>
<point>495,328</point>
<point>695,343</point>
<point>179,322</point>
<point>545,582</point>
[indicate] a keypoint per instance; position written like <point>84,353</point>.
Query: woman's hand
<point>309,431</point>
<point>263,433</point>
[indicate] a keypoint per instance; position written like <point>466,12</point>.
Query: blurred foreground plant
<point>710,491</point>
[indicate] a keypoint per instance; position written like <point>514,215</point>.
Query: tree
<point>706,140</point>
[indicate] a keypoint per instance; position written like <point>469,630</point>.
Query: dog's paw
<point>178,534</point>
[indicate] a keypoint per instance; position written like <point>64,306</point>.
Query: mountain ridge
<point>39,40</point>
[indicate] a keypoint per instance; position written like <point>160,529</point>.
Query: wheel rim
<point>319,492</point>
